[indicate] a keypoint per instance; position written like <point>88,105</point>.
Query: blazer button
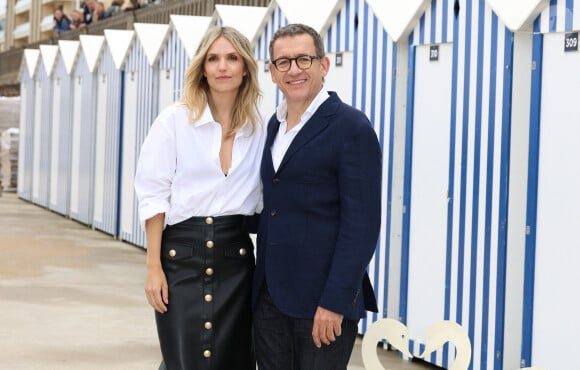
<point>207,354</point>
<point>208,298</point>
<point>273,212</point>
<point>172,253</point>
<point>243,251</point>
<point>275,180</point>
<point>208,325</point>
<point>209,220</point>
<point>209,271</point>
<point>209,244</point>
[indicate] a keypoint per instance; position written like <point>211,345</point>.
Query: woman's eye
<point>233,57</point>
<point>211,58</point>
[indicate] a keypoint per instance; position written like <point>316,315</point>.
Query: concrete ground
<point>72,298</point>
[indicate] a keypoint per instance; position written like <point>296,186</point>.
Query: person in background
<point>88,8</point>
<point>114,8</point>
<point>197,179</point>
<point>99,12</point>
<point>321,176</point>
<point>77,20</point>
<point>135,4</point>
<point>61,21</point>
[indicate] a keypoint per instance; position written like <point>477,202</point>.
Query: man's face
<point>299,86</point>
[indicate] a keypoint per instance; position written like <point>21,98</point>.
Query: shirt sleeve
<point>156,169</point>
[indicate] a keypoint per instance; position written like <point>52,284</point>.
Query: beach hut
<point>140,107</point>
<point>107,57</point>
<point>84,113</point>
<point>28,70</point>
<point>546,249</point>
<point>42,126</point>
<point>61,135</point>
<point>456,182</point>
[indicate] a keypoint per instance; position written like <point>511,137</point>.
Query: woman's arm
<point>156,287</point>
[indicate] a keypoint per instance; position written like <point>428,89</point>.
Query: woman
<point>197,177</point>
<point>61,22</point>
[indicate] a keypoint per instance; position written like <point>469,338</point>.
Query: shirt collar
<point>207,118</point>
<point>320,98</point>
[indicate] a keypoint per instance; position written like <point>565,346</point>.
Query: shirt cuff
<point>150,208</point>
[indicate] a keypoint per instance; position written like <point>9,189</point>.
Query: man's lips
<point>297,82</point>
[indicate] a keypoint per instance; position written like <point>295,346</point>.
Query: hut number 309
<point>571,41</point>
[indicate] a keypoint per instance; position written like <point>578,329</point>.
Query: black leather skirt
<point>209,263</point>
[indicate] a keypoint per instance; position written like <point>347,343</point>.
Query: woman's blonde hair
<point>196,88</point>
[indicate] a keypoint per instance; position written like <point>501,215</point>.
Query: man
<point>321,175</point>
<point>88,7</point>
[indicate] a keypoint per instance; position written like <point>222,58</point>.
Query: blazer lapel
<point>273,126</point>
<point>316,124</point>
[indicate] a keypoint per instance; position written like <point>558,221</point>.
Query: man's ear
<point>325,64</point>
<point>272,71</point>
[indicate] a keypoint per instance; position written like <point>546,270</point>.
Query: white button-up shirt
<point>284,139</point>
<point>179,171</point>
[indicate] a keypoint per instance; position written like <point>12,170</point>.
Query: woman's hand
<point>156,289</point>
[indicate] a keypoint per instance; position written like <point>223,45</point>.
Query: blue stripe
<point>553,15</point>
<point>407,186</point>
<point>503,203</point>
<point>569,15</point>
<point>489,193</point>
<point>338,29</point>
<point>329,38</point>
<point>451,190</point>
<point>532,201</point>
<point>464,155</point>
<point>365,54</point>
<point>433,21</point>
<point>476,174</point>
<point>121,151</point>
<point>375,71</point>
<point>356,56</point>
<point>422,29</point>
<point>347,25</point>
<point>445,8</point>
<point>390,161</point>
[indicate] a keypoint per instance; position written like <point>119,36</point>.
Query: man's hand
<point>326,327</point>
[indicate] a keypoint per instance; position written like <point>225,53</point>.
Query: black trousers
<point>209,264</point>
<point>285,343</point>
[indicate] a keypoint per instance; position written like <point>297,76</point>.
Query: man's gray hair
<point>295,29</point>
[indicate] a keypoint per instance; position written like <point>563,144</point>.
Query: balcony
<point>21,31</point>
<point>22,6</point>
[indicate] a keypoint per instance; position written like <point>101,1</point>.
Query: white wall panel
<point>558,209</point>
<point>429,188</point>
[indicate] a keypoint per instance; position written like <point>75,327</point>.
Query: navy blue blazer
<point>321,218</point>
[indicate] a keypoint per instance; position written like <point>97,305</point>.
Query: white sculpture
<point>397,335</point>
<point>393,331</point>
<point>448,331</point>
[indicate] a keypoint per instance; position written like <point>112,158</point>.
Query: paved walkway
<point>72,297</point>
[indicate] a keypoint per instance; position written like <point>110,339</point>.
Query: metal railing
<point>11,60</point>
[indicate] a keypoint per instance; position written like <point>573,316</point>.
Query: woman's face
<point>57,14</point>
<point>224,67</point>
